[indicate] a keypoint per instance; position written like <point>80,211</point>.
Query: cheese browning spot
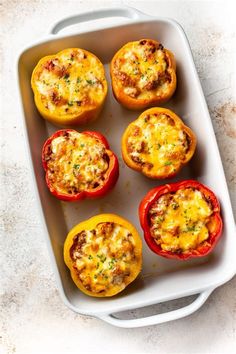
<point>104,257</point>
<point>142,68</point>
<point>76,162</point>
<point>179,222</point>
<point>71,81</point>
<point>156,142</point>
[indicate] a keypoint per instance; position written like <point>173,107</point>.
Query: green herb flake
<point>111,263</point>
<point>160,219</point>
<point>168,163</point>
<point>78,80</point>
<point>90,82</point>
<point>175,206</point>
<point>70,103</point>
<point>102,257</point>
<point>190,229</point>
<point>90,257</point>
<point>76,166</point>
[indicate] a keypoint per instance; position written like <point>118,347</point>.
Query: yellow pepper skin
<point>90,224</point>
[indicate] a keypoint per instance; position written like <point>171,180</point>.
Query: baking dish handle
<point>125,11</point>
<point>160,318</point>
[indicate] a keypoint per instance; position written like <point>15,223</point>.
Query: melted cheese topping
<point>179,221</point>
<point>104,257</point>
<point>76,162</point>
<point>157,142</point>
<point>142,70</point>
<point>70,81</point>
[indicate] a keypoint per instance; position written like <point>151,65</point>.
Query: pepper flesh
<point>91,224</point>
<point>214,234</point>
<point>111,174</point>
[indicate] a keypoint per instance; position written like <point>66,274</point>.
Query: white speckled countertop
<point>33,317</point>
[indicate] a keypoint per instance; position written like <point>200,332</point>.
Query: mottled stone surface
<point>33,317</point>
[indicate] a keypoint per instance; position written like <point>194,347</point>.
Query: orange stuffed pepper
<point>158,143</point>
<point>143,74</point>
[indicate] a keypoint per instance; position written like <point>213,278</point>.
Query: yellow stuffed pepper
<point>69,87</point>
<point>158,143</point>
<point>104,255</point>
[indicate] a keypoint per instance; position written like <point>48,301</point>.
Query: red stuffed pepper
<point>181,220</point>
<point>79,165</point>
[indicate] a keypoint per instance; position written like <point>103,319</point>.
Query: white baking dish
<point>161,279</point>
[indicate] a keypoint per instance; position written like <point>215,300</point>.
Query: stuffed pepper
<point>158,143</point>
<point>143,74</point>
<point>79,165</point>
<point>104,255</point>
<point>69,87</point>
<point>181,220</point>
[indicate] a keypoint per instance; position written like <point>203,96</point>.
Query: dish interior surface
<point>161,279</point>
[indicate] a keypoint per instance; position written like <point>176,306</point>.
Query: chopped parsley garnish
<point>70,103</point>
<point>168,163</point>
<point>190,229</point>
<point>90,82</point>
<point>76,166</point>
<point>78,80</point>
<point>66,77</point>
<point>111,263</point>
<point>175,206</point>
<point>160,219</point>
<point>90,257</point>
<point>102,257</point>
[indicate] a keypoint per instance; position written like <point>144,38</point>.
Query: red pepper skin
<point>155,194</point>
<point>112,173</point>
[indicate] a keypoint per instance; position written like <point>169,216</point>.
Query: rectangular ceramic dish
<point>161,279</point>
